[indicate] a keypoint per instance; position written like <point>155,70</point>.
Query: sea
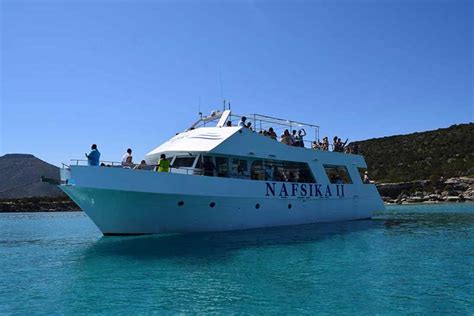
<point>410,259</point>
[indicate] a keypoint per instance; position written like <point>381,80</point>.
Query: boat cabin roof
<point>207,133</point>
<point>203,139</point>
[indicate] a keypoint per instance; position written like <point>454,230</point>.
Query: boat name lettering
<point>303,189</point>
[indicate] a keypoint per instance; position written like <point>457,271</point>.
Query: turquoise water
<point>411,259</point>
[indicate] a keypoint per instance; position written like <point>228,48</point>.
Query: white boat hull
<point>173,203</point>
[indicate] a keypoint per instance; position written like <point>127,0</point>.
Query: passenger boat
<point>224,178</point>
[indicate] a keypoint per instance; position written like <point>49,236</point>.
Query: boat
<point>224,177</point>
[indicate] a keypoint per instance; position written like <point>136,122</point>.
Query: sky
<point>133,73</point>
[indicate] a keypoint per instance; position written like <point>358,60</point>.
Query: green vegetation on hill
<point>447,152</point>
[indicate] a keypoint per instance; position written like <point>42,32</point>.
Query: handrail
<point>113,163</point>
<point>276,120</point>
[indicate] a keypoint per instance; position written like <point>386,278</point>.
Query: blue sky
<point>133,73</point>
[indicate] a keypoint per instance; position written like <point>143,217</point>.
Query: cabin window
<point>338,174</point>
<point>207,165</point>
<point>183,162</point>
<point>257,173</point>
<point>222,166</point>
<point>239,167</point>
<point>284,171</point>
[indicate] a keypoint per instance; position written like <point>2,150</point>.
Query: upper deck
<point>207,133</point>
<point>259,123</point>
<point>219,134</point>
<point>241,152</point>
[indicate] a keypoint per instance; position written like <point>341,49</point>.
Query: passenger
<point>127,158</point>
<point>335,145</point>
<point>286,138</point>
<point>300,138</point>
<point>316,145</point>
<point>249,126</point>
<point>293,139</point>
<point>242,121</point>
<point>291,177</point>
<point>366,177</point>
<point>268,173</point>
<point>140,166</point>
<point>272,133</point>
<point>240,168</point>
<point>325,144</point>
<point>94,156</point>
<point>277,175</point>
<point>163,164</point>
<point>341,145</point>
<point>228,124</point>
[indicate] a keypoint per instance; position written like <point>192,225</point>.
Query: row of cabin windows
<point>258,169</point>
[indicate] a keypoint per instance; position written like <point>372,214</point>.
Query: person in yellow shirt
<point>163,164</point>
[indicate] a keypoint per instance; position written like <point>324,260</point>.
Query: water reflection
<point>222,243</point>
<point>395,220</point>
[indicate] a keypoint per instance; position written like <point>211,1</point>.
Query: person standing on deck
<point>163,164</point>
<point>94,156</point>
<point>242,121</point>
<point>127,159</point>
<point>300,138</point>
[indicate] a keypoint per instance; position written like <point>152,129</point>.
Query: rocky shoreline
<point>428,191</point>
<point>38,204</point>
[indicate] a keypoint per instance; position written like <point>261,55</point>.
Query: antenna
<point>222,91</point>
<point>199,108</point>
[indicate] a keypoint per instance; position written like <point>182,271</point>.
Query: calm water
<point>411,259</point>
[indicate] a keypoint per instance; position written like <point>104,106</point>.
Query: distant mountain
<point>20,177</point>
<point>446,152</point>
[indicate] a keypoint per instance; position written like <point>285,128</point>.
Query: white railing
<point>82,162</point>
<point>115,164</point>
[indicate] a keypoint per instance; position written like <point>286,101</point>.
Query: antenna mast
<point>222,91</point>
<point>199,108</point>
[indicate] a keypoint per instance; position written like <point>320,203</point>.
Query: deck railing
<point>115,164</point>
<point>260,123</point>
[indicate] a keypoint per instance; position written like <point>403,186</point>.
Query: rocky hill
<point>442,153</point>
<point>20,177</point>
